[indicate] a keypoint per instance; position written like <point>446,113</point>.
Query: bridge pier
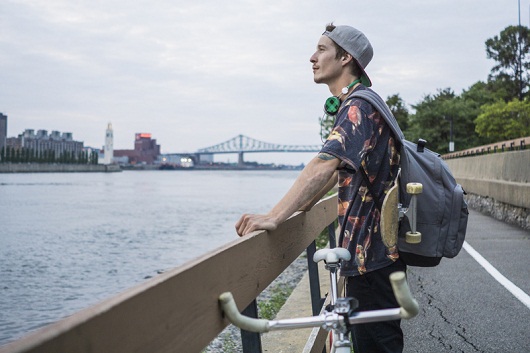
<point>240,161</point>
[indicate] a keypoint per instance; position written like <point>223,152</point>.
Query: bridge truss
<point>244,144</point>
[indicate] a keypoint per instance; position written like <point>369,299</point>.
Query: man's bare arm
<point>331,183</point>
<point>311,181</point>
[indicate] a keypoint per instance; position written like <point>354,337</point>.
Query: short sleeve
<point>351,136</point>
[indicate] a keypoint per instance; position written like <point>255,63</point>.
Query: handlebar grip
<point>409,305</point>
<point>234,316</point>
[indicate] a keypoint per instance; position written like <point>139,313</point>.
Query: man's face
<point>326,68</point>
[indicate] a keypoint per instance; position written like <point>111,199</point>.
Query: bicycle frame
<point>342,314</point>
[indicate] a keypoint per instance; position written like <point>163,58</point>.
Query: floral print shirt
<point>361,138</point>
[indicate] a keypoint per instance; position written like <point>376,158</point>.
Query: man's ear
<point>346,59</point>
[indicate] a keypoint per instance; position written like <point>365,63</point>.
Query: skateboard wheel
<point>413,238</point>
<point>414,188</point>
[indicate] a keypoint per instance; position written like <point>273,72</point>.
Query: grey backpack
<point>441,209</point>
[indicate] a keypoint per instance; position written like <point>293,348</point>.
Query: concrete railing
<point>503,146</point>
<point>496,178</point>
<point>178,311</point>
<point>504,177</point>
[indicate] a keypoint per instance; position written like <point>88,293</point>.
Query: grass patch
<point>269,308</point>
<point>323,238</point>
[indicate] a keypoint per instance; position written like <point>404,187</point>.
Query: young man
<point>360,142</point>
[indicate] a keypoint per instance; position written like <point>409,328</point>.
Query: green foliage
<point>94,158</point>
<point>269,308</point>
<point>504,121</point>
<point>322,240</point>
<point>30,155</point>
<point>481,93</point>
<point>399,110</point>
<point>511,51</point>
<point>326,124</point>
<point>435,114</point>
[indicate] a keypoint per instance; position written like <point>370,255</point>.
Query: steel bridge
<point>243,144</point>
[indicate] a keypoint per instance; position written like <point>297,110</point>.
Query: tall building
<point>109,145</point>
<point>3,130</point>
<point>56,142</point>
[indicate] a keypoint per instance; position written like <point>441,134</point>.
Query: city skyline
<point>69,135</point>
<point>195,74</point>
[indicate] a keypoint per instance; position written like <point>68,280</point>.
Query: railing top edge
<point>498,147</point>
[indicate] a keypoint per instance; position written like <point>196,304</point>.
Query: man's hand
<point>312,181</point>
<point>251,222</point>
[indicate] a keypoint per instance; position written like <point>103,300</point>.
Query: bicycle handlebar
<point>407,310</point>
<point>234,316</point>
<point>408,305</point>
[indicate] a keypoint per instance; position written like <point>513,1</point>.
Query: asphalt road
<point>465,309</point>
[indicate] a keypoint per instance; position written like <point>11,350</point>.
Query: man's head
<point>349,40</point>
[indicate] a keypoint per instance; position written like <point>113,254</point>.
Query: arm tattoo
<point>326,156</point>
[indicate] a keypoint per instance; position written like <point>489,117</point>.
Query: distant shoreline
<point>57,168</point>
<point>112,168</point>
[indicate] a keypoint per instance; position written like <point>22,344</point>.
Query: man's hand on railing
<point>249,223</point>
<point>315,180</point>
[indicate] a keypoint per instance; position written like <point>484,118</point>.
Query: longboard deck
<point>390,217</point>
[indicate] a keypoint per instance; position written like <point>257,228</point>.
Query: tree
<point>481,93</point>
<point>399,110</point>
<point>476,96</point>
<point>511,51</point>
<point>94,158</point>
<point>504,121</point>
<point>434,116</point>
<point>326,124</point>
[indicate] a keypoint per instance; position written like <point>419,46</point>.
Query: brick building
<point>146,151</point>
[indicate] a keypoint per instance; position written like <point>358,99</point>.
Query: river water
<point>68,241</point>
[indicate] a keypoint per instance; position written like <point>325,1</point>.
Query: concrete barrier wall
<point>504,177</point>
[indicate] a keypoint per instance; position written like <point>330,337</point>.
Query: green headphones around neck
<point>332,105</point>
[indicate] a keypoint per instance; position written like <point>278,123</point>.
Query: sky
<point>197,73</point>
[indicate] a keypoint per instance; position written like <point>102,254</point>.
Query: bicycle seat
<point>332,255</point>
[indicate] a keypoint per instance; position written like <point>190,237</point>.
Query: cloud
<point>198,73</point>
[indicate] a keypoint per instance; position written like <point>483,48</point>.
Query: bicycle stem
<point>333,269</point>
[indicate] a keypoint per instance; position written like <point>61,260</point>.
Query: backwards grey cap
<point>355,43</point>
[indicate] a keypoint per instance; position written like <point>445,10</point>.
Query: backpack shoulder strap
<point>380,105</point>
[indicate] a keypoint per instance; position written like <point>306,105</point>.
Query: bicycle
<point>341,313</point>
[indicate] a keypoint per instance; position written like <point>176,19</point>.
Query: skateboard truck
<point>393,212</point>
<point>414,189</point>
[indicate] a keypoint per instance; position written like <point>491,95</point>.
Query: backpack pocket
<point>456,231</point>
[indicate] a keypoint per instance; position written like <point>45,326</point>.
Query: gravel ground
<point>229,340</point>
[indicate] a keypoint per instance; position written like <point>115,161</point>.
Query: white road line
<point>512,288</point>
